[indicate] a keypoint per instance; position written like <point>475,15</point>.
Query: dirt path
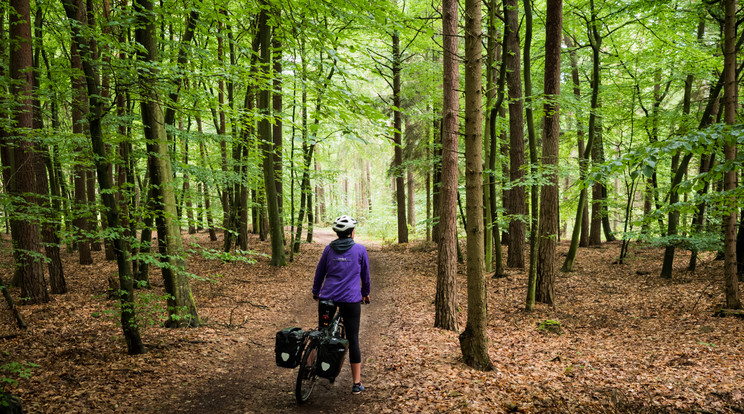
<point>252,383</point>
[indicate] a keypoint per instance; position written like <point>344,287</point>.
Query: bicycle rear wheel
<point>306,377</point>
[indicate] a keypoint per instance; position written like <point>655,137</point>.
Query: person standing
<point>342,275</point>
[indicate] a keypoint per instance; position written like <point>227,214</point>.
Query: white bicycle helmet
<point>344,223</point>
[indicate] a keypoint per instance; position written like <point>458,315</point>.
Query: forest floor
<point>631,342</point>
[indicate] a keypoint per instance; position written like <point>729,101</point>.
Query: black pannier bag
<point>289,345</point>
<point>331,357</point>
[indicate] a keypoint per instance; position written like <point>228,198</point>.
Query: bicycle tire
<point>306,377</point>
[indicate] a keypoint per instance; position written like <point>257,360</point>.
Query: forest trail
<point>631,341</point>
<point>254,384</point>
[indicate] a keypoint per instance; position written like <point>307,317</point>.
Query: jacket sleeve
<point>366,285</point>
<point>320,272</point>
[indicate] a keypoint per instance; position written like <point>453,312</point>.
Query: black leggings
<point>350,313</point>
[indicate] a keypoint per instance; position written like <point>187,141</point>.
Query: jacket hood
<point>342,245</point>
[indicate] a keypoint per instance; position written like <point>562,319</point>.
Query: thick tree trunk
<point>551,133</point>
<point>24,186</point>
<point>516,198</point>
<point>474,340</point>
<point>446,294</point>
<point>180,300</point>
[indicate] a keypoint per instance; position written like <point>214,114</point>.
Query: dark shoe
<point>357,388</point>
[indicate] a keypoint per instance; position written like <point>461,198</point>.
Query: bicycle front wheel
<point>306,377</point>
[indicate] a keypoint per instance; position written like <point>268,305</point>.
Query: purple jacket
<point>339,274</point>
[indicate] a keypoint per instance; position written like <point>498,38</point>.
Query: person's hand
<point>315,297</point>
<point>365,300</point>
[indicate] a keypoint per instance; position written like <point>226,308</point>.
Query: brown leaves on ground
<point>631,342</point>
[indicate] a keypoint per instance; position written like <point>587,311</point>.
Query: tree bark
<point>551,134</point>
<point>79,109</point>
<point>398,171</point>
<point>275,219</point>
<point>446,295</point>
<point>532,140</point>
<point>24,186</point>
<point>474,340</point>
<point>181,303</point>
<point>584,235</point>
<point>516,198</point>
<point>733,299</point>
<point>277,104</point>
<point>46,186</point>
<point>121,246</point>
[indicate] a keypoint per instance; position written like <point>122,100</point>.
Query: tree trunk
<point>276,133</point>
<point>474,340</point>
<point>121,246</point>
<point>24,185</point>
<point>733,299</point>
<point>595,131</point>
<point>446,294</point>
<point>496,111</point>
<point>46,186</point>
<point>532,140</point>
<point>180,300</point>
<point>584,235</point>
<point>398,171</point>
<point>205,188</point>
<point>411,205</point>
<point>79,109</point>
<point>275,219</point>
<point>90,185</point>
<point>516,198</point>
<point>551,134</point>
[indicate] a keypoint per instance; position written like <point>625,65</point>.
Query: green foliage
<point>12,372</point>
<point>148,306</point>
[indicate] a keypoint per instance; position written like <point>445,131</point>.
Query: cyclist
<point>343,265</point>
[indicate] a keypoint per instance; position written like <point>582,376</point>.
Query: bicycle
<point>309,370</point>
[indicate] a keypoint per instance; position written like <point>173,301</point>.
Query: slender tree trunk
<point>411,205</point>
<point>446,294</point>
<point>90,185</point>
<point>551,134</point>
<point>276,133</point>
<point>79,109</point>
<point>584,235</point>
<point>474,340</point>
<point>400,189</point>
<point>733,299</point>
<point>275,219</point>
<point>181,305</point>
<point>532,139</point>
<point>595,130</point>
<point>121,247</point>
<point>496,111</point>
<point>46,186</point>
<point>516,198</point>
